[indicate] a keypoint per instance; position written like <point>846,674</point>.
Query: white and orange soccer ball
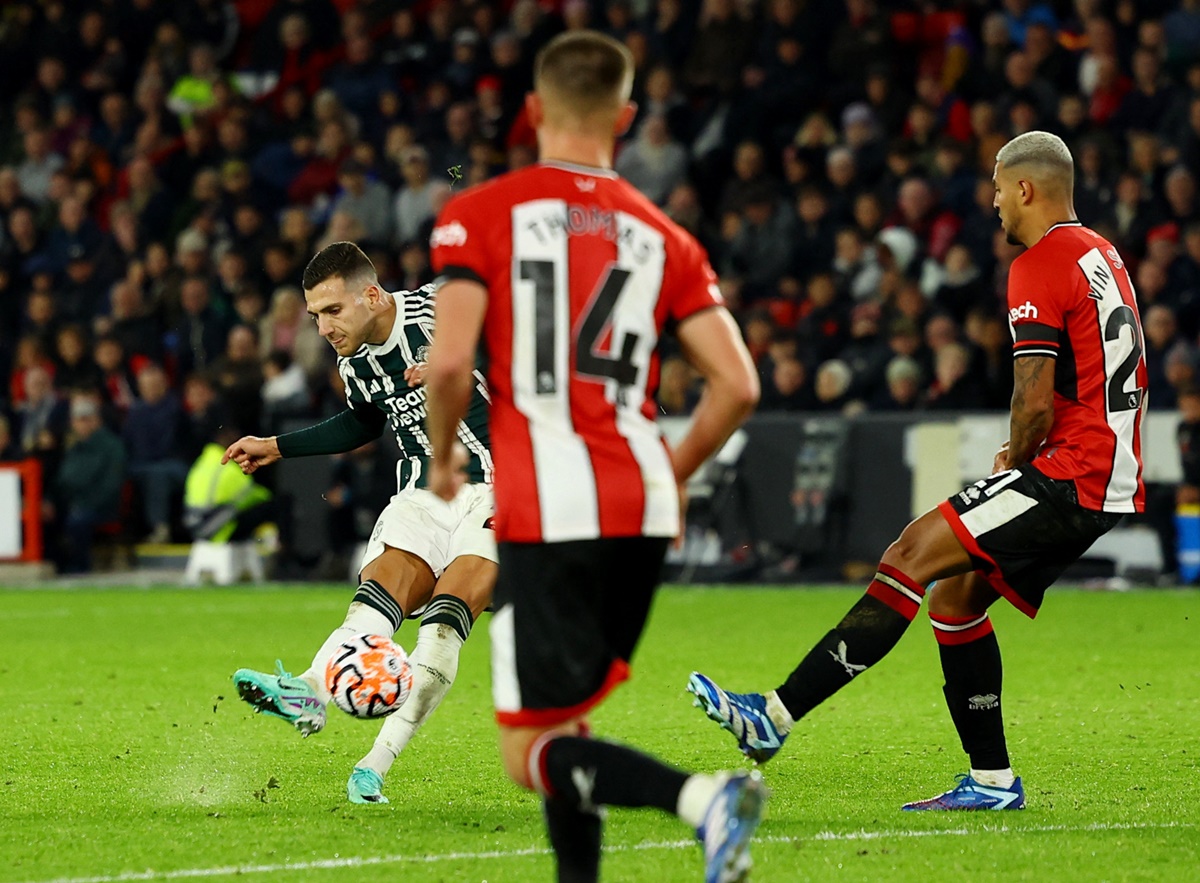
<point>369,676</point>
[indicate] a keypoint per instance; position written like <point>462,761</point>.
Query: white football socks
<point>696,796</point>
<point>994,778</point>
<point>434,664</point>
<point>360,620</point>
<point>778,713</point>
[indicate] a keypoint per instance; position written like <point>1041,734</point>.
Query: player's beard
<point>1011,237</point>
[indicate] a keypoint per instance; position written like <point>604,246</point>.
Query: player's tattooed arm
<point>1032,407</point>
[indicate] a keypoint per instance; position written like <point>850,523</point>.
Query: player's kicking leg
<point>392,582</point>
<point>958,609</point>
<point>462,593</point>
<point>927,550</point>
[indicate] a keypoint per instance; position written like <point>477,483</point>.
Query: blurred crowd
<point>167,168</point>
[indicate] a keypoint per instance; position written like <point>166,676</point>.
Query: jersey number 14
<point>618,365</point>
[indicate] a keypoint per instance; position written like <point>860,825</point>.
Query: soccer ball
<point>369,676</point>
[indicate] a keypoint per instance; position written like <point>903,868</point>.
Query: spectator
<point>952,387</point>
<point>864,37</point>
<point>359,488</point>
<point>74,368</point>
<point>1148,105</point>
<point>787,389</point>
<point>250,307</point>
<point>834,379</point>
<point>194,93</point>
<point>368,202</point>
<point>238,373</point>
<point>1179,188</point>
<point>86,491</point>
<point>453,150</point>
<point>866,354</point>
<point>960,286</point>
<point>677,394</point>
<point>903,386</point>
<point>823,328</point>
<point>153,435</point>
<point>284,391</point>
<point>40,320</point>
<point>128,322</point>
<point>918,210</point>
<point>39,163</point>
<point>992,357</point>
<point>1101,41</point>
<point>203,411</point>
<point>749,175</point>
<point>1162,338</point>
<point>30,354</point>
<point>221,505</point>
<point>200,336</point>
<point>761,249</point>
<point>414,271</point>
<point>414,201</point>
<point>359,78</point>
<point>148,199</point>
<point>1131,215</point>
<point>653,162</point>
<point>73,230</point>
<point>116,383</point>
<point>723,41</point>
<point>42,418</point>
<point>279,263</point>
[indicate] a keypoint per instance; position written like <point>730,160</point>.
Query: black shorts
<point>568,616</point>
<point>1022,530</point>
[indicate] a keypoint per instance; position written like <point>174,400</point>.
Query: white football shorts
<point>422,523</point>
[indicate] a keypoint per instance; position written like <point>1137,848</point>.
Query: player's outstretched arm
<point>343,432</point>
<point>1032,407</point>
<point>713,345</point>
<point>252,453</point>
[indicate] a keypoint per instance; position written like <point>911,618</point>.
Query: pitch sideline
<point>371,861</point>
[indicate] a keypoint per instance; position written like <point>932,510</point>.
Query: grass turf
<point>125,750</point>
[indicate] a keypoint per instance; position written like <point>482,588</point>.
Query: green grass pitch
<point>126,755</point>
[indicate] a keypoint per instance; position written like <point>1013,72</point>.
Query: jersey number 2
<point>598,317</point>
<point>1118,398</point>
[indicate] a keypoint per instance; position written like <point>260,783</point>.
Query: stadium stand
<point>166,169</point>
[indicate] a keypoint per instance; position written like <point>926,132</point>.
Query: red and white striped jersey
<point>1070,297</point>
<point>582,273</point>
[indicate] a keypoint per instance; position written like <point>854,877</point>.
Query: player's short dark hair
<point>340,260</point>
<point>589,70</point>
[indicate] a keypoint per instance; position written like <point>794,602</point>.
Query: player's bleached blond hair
<point>1042,153</point>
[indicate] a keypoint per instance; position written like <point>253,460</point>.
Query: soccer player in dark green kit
<point>423,551</point>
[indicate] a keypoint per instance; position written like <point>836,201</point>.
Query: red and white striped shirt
<point>582,273</point>
<point>1070,298</point>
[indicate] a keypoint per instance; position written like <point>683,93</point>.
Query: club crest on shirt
<point>422,354</point>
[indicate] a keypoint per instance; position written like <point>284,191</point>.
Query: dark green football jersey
<point>374,378</point>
